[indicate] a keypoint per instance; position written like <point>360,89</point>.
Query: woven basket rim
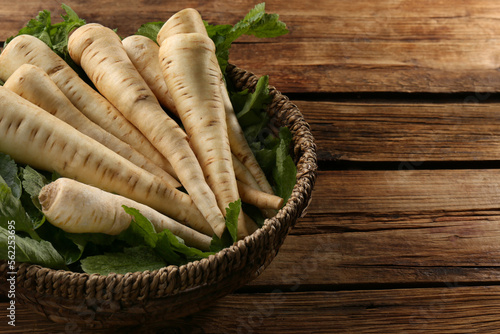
<point>198,273</point>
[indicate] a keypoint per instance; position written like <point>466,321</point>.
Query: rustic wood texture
<point>333,46</point>
<point>403,231</point>
<point>394,227</point>
<point>450,309</point>
<point>408,133</point>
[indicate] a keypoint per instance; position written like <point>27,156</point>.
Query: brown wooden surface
<point>403,232</point>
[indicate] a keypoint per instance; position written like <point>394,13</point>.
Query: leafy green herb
<point>133,259</point>
<point>232,213</point>
<point>150,29</point>
<point>70,250</point>
<point>11,207</point>
<point>9,171</point>
<point>230,235</point>
<point>54,35</point>
<point>284,173</point>
<point>31,251</point>
<point>257,23</point>
<point>250,108</point>
<point>168,241</point>
<point>32,182</point>
<point>170,247</point>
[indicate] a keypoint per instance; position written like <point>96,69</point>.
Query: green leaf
<point>69,249</point>
<point>140,232</point>
<point>250,109</point>
<point>150,30</point>
<point>30,251</point>
<point>11,209</point>
<point>33,182</point>
<point>261,24</point>
<point>285,172</point>
<point>134,259</point>
<point>230,234</point>
<point>9,171</point>
<point>171,248</point>
<point>217,244</point>
<point>174,251</point>
<point>257,23</point>
<point>54,35</point>
<point>232,213</point>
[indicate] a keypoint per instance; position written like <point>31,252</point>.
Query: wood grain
<point>393,46</point>
<point>452,309</point>
<point>406,132</point>
<point>394,227</point>
<point>398,246</point>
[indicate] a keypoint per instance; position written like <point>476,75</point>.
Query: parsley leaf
<point>11,207</point>
<point>132,259</point>
<point>257,23</point>
<point>284,173</point>
<point>30,250</point>
<point>150,30</point>
<point>54,35</point>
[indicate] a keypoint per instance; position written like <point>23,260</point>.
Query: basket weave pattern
<point>175,291</point>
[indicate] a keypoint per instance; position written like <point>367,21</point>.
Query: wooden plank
<point>406,132</point>
<point>394,227</point>
<point>374,66</point>
<point>453,309</point>
<point>392,45</point>
<point>326,19</point>
<point>406,191</point>
<point>463,250</point>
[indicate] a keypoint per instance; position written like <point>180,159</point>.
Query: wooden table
<point>403,232</point>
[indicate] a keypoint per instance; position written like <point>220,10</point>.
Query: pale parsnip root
<point>259,198</point>
<point>185,21</point>
<point>32,136</point>
<point>143,52</point>
<point>29,49</point>
<point>191,72</point>
<point>189,20</point>
<point>244,176</point>
<point>79,208</point>
<point>99,51</point>
<point>35,85</point>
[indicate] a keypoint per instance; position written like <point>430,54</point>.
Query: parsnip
<point>189,20</point>
<point>258,198</point>
<point>29,49</point>
<point>143,52</point>
<point>185,21</point>
<point>76,207</point>
<point>100,53</point>
<point>249,188</point>
<point>32,136</point>
<point>191,72</point>
<point>35,85</point>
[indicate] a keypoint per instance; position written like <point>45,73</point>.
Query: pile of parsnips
<point>120,147</point>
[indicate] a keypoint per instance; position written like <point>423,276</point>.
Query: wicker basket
<point>172,292</point>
